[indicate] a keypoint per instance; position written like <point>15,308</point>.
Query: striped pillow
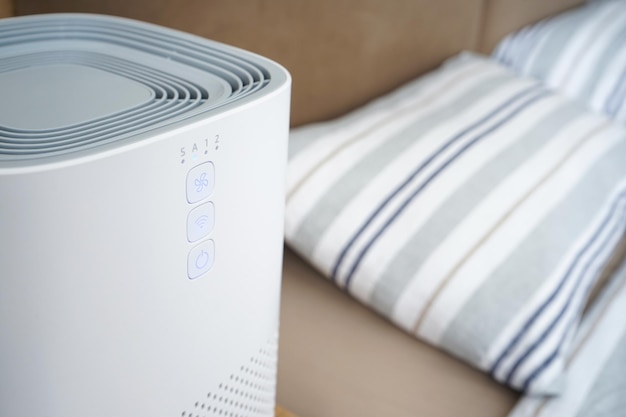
<point>471,207</point>
<point>581,53</point>
<point>596,366</point>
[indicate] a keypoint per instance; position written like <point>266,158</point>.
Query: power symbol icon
<point>202,259</point>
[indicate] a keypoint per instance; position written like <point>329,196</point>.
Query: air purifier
<point>141,218</point>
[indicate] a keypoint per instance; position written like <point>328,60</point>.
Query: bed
<point>358,346</point>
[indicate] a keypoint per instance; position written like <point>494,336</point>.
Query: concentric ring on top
<point>157,78</point>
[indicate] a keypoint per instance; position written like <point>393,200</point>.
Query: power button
<point>200,259</point>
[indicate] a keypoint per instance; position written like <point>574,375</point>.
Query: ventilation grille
<point>248,392</point>
<point>185,76</point>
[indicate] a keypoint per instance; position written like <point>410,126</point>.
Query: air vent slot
<point>184,75</point>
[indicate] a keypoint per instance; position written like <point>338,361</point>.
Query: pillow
<point>596,367</point>
<point>473,208</point>
<point>581,53</point>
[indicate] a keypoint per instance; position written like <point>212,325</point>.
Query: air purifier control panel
<point>201,219</point>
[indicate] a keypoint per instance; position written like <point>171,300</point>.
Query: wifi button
<point>200,222</point>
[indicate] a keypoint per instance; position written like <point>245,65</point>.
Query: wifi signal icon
<point>202,221</point>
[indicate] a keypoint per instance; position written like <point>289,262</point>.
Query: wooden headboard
<point>341,53</point>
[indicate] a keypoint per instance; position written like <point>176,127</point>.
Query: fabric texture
<point>596,367</point>
<point>581,53</point>
<point>473,208</point>
<point>340,359</point>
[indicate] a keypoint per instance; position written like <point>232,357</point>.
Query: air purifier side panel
<point>98,315</point>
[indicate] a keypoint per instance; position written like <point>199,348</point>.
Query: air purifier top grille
<point>73,82</point>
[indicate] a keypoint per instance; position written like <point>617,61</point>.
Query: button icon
<point>200,182</point>
<point>200,259</point>
<point>200,222</point>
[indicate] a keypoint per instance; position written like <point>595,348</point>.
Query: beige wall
<point>6,8</point>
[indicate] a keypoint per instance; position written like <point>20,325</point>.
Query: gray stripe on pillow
<point>307,134</point>
<point>536,33</point>
<point>602,63</point>
<point>588,58</point>
<point>323,213</point>
<point>540,260</point>
<point>597,376</point>
<point>393,109</point>
<point>447,217</point>
<point>553,47</point>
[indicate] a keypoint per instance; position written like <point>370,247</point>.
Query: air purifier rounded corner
<point>141,215</point>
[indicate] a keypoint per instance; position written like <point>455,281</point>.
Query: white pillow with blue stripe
<point>473,208</point>
<point>581,53</point>
<point>595,367</point>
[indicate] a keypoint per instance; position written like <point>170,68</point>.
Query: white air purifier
<point>141,221</point>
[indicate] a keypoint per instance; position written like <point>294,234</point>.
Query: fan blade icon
<point>201,182</point>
